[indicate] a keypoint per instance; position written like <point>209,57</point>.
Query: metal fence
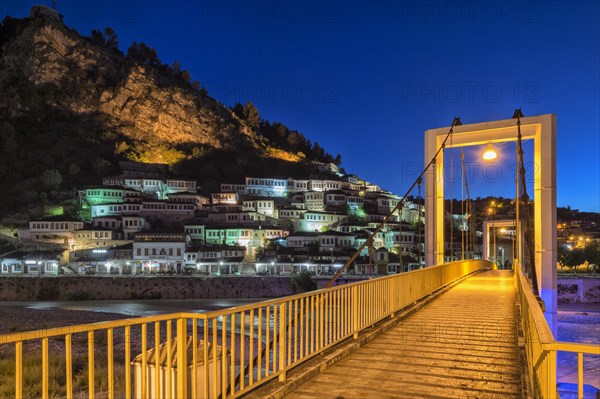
<point>223,353</point>
<point>540,346</point>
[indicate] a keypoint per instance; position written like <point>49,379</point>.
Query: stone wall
<point>578,290</point>
<point>570,290</point>
<point>99,288</point>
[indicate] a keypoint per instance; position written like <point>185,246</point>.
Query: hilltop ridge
<point>72,106</point>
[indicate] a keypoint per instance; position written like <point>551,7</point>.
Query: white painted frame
<point>542,129</point>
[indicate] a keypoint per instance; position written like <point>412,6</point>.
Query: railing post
<point>282,341</point>
<point>552,389</point>
<point>355,324</point>
<point>392,299</point>
<point>181,358</point>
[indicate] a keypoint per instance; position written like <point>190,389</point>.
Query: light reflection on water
<point>134,308</point>
<point>583,328</point>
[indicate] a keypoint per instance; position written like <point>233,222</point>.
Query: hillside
<point>72,106</point>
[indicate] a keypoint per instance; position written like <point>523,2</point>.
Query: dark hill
<point>72,106</point>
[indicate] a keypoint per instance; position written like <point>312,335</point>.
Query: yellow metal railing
<point>237,349</point>
<point>540,346</point>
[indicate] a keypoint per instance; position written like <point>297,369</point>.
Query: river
<point>135,308</point>
<point>579,323</point>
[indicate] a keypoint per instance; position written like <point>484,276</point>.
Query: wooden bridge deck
<point>461,345</point>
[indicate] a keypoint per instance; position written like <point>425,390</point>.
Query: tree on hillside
<point>592,254</point>
<point>101,166</point>
<point>252,116</point>
<point>108,39</point>
<point>52,178</point>
<point>176,67</point>
<point>318,152</point>
<point>97,37</point>
<point>112,43</point>
<point>143,55</point>
<point>570,259</point>
<point>248,113</point>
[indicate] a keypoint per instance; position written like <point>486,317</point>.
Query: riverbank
<point>79,288</point>
<point>18,319</point>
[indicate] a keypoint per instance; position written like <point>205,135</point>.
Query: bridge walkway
<point>461,345</point>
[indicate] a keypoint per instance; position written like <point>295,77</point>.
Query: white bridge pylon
<point>542,129</point>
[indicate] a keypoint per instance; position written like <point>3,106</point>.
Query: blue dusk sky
<point>366,79</point>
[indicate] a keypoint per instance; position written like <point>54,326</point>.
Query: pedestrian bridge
<point>459,329</point>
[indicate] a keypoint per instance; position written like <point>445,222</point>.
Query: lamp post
<point>495,249</point>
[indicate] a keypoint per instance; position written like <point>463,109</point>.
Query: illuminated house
<point>267,187</point>
<point>252,237</point>
<point>331,239</point>
<point>159,187</point>
<point>216,259</point>
<point>30,262</point>
<point>159,252</point>
<point>93,236</point>
<point>401,241</point>
<point>123,226</point>
<point>108,194</point>
<point>240,218</point>
<point>385,203</point>
<point>301,239</point>
<point>195,231</point>
<point>260,205</point>
<point>189,197</point>
<point>289,215</point>
<point>325,167</point>
<point>324,185</point>
<point>355,204</point>
<point>335,198</point>
<point>351,227</point>
<point>56,229</point>
<point>317,221</point>
<point>167,212</point>
<point>225,198</point>
<point>233,188</point>
<point>314,200</point>
<point>104,260</point>
<point>297,186</point>
<point>360,237</point>
<point>130,205</point>
<point>381,262</point>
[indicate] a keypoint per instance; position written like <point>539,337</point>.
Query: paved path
<point>462,345</point>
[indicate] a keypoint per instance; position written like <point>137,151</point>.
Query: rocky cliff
<point>73,73</point>
<point>72,106</point>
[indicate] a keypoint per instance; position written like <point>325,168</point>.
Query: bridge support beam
<point>542,129</point>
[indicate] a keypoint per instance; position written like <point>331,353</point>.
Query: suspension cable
<point>469,205</point>
<point>451,201</point>
<point>419,219</point>
<point>462,205</point>
<point>528,250</point>
<point>400,203</point>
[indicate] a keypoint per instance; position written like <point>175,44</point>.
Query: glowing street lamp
<point>489,153</point>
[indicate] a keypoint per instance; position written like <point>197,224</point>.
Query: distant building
<point>159,252</point>
<point>56,230</point>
